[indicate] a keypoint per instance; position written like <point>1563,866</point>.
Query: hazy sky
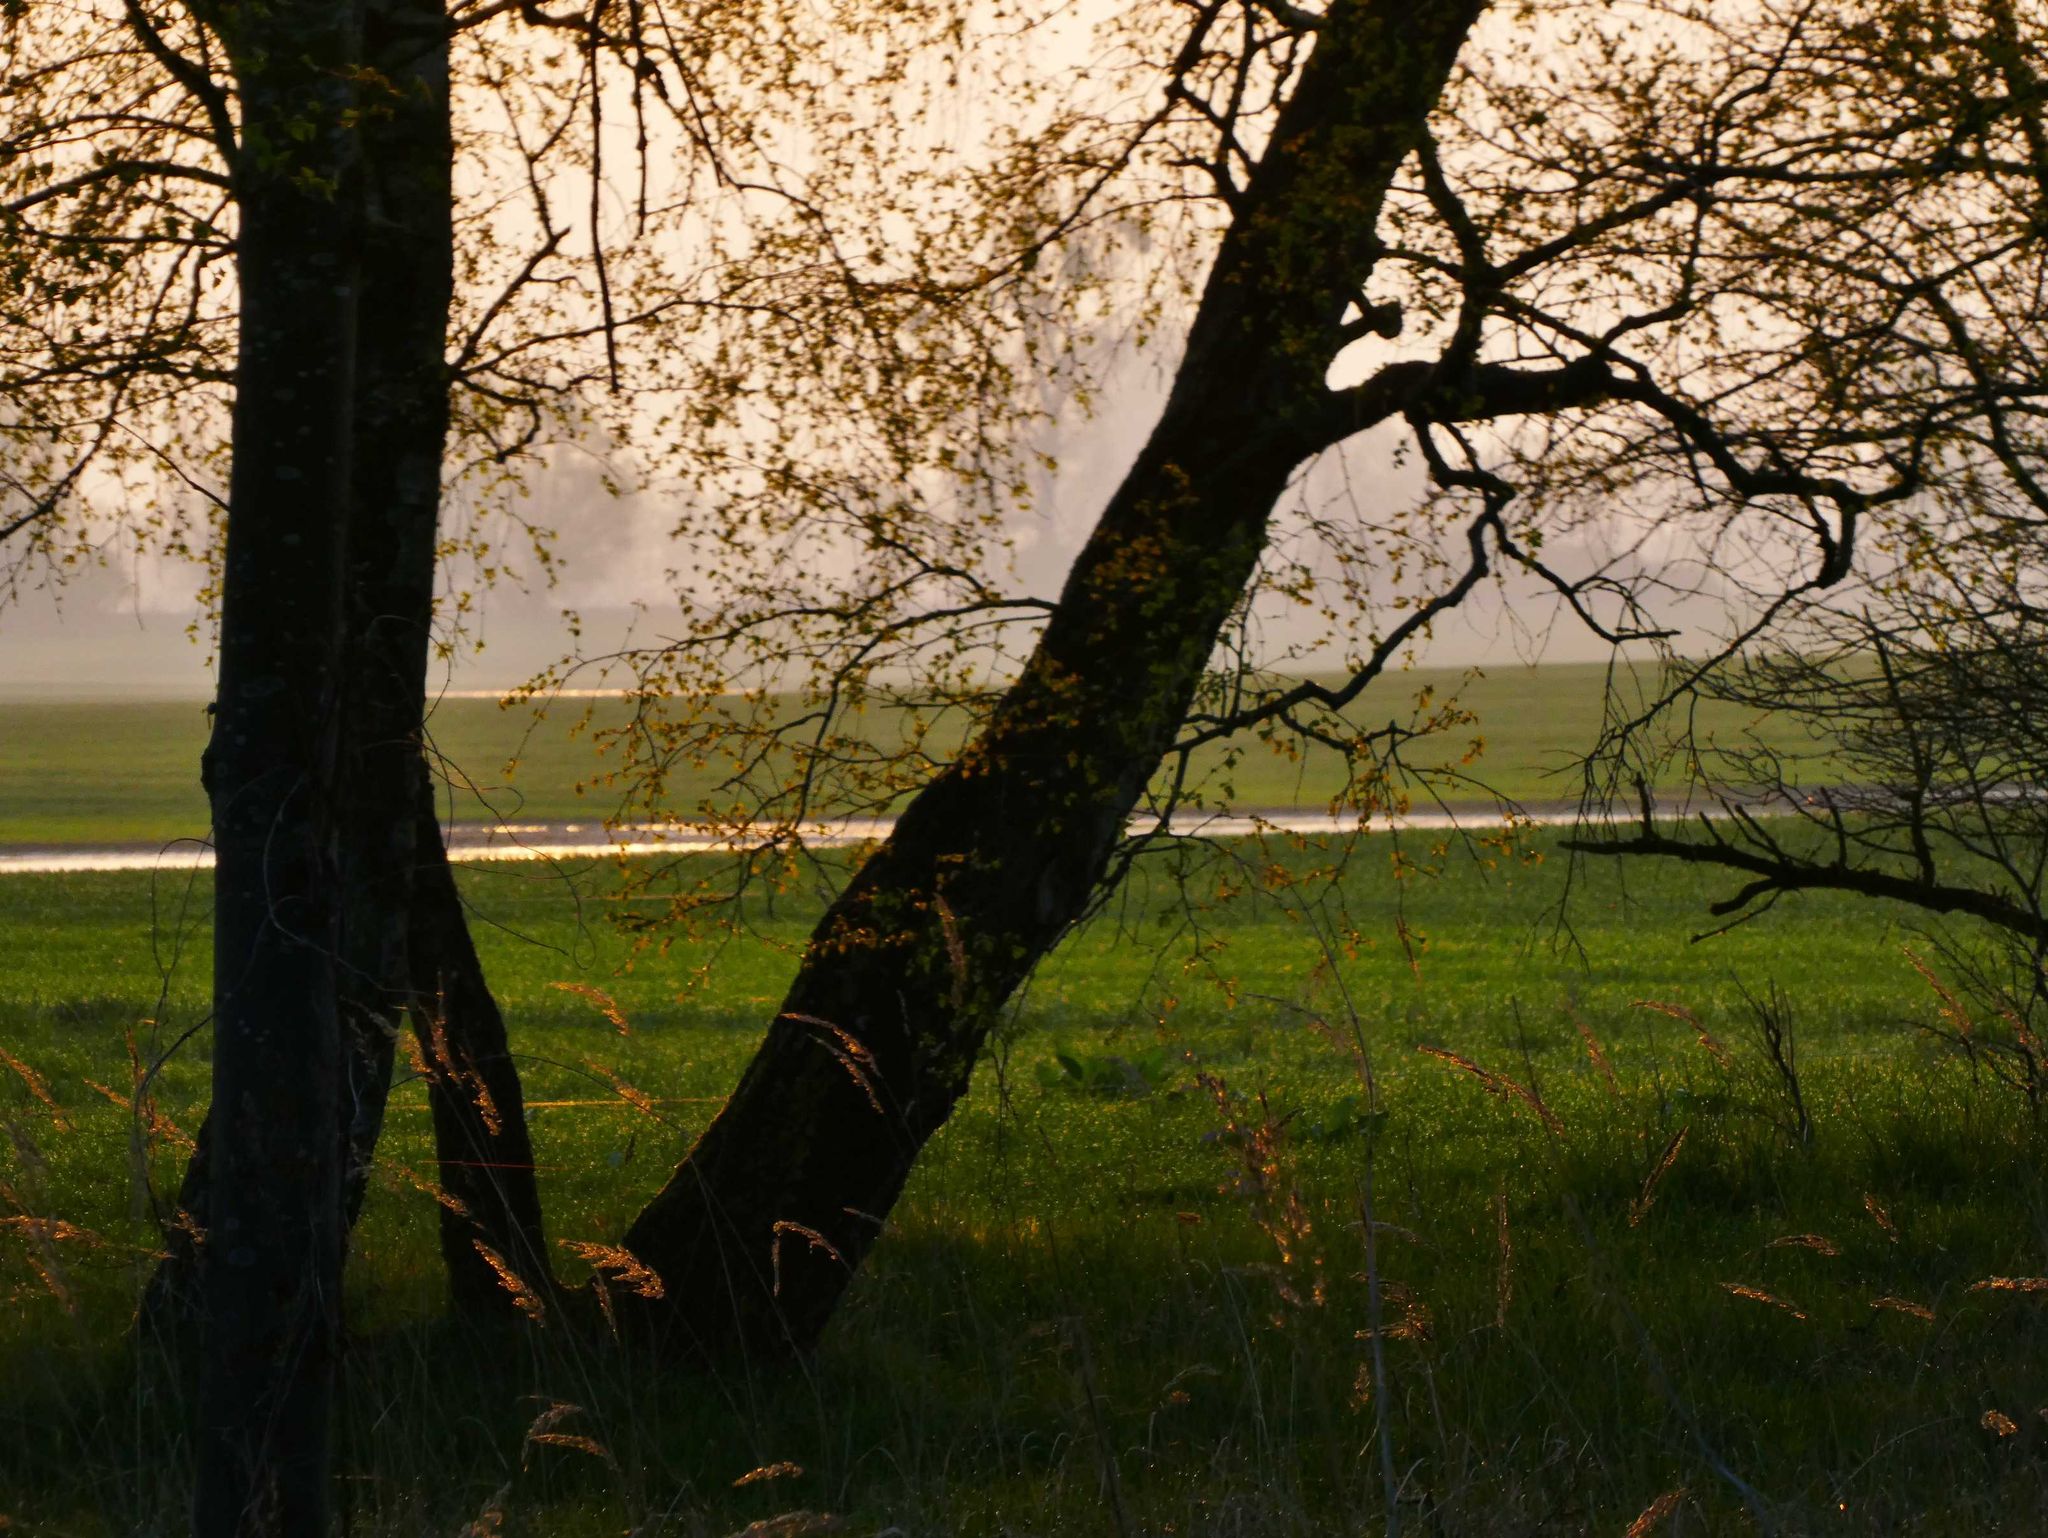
<point>122,631</point>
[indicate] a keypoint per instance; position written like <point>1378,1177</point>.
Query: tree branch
<point>116,170</point>
<point>1784,873</point>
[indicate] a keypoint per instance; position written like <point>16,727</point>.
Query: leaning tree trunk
<point>272,1285</point>
<point>404,945</point>
<point>758,1232</point>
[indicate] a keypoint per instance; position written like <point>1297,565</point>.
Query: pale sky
<point>121,632</point>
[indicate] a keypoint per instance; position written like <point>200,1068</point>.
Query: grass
<point>1126,1290</point>
<point>77,773</point>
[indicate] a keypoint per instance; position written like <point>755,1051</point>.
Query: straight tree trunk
<point>401,434</point>
<point>404,944</point>
<point>272,1285</point>
<point>757,1233</point>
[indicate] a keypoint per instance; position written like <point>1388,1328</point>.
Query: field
<point>1619,1273</point>
<point>76,774</point>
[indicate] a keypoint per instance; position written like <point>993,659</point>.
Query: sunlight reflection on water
<point>580,841</point>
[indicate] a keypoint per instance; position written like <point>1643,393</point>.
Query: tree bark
<point>757,1233</point>
<point>272,1284</point>
<point>406,941</point>
<point>404,945</point>
<point>401,433</point>
<point>491,1213</point>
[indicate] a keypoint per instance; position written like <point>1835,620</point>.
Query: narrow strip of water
<point>580,841</point>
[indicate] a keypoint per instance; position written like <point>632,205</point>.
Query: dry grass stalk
<point>479,1090</point>
<point>1416,1321</point>
<point>1880,1217</point>
<point>1758,1295</point>
<point>1597,1053</point>
<point>490,1521</point>
<point>1711,1043</point>
<point>1500,1086</point>
<point>2011,1284</point>
<point>816,1240</point>
<point>39,1090</point>
<point>2023,1034</point>
<point>416,1056</point>
<point>1640,1207</point>
<point>767,1471</point>
<point>42,1235</point>
<point>155,1121</point>
<point>1269,1192</point>
<point>447,1069</point>
<point>391,1171</point>
<point>542,1433</point>
<point>1656,1513</point>
<point>148,1124</point>
<point>852,1054</point>
<point>1904,1306</point>
<point>1361,1386</point>
<point>1952,1009</point>
<point>48,1230</point>
<point>794,1524</point>
<point>44,1264</point>
<point>606,1004</point>
<point>639,1100</point>
<point>1820,1244</point>
<point>183,1222</point>
<point>613,1263</point>
<point>622,1265</point>
<point>524,1298</point>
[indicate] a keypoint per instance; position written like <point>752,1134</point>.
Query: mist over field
<point>135,627</point>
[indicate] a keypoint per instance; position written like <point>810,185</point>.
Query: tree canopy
<point>1697,298</point>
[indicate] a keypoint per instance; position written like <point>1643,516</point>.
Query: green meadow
<point>1296,1196</point>
<point>105,773</point>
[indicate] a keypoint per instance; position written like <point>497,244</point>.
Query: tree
<point>523,353</point>
<point>274,1218</point>
<point>1918,695</point>
<point>124,216</point>
<point>118,236</point>
<point>1675,262</point>
<point>335,134</point>
<point>1915,687</point>
<point>404,948</point>
<point>756,1234</point>
<point>1632,278</point>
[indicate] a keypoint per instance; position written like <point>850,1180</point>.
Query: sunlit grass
<point>1149,1298</point>
<point>77,773</point>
